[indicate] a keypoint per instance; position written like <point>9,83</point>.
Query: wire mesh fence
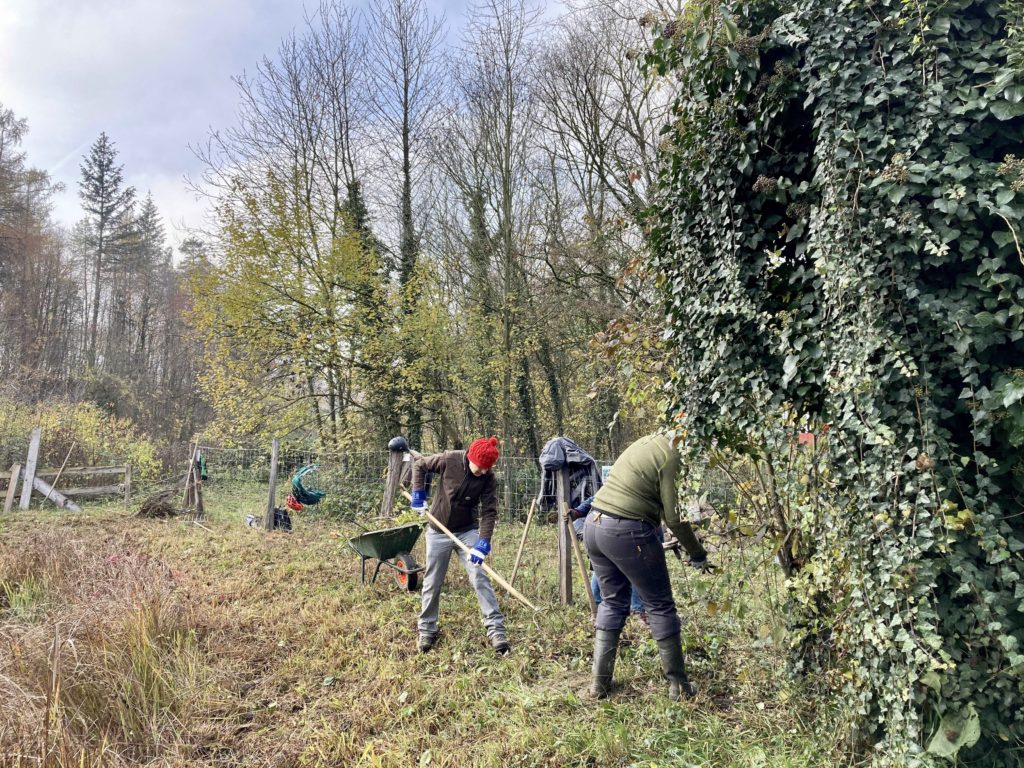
<point>354,481</point>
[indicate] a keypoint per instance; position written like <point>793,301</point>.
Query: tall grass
<point>107,668</point>
<point>127,642</point>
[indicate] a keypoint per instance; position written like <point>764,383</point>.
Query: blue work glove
<point>480,551</point>
<point>419,501</point>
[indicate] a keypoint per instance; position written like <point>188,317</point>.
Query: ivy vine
<point>838,234</point>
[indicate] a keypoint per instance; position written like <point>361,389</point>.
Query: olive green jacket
<point>642,486</point>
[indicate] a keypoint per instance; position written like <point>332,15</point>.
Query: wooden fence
<point>81,475</point>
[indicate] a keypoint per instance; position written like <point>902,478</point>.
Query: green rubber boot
<point>673,663</point>
<point>606,645</point>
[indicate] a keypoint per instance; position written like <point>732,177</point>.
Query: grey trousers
<point>625,553</point>
<point>439,554</point>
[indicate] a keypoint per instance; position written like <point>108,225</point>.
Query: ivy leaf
<point>1014,93</point>
<point>732,32</point>
<point>940,26</point>
<point>1006,110</point>
<point>896,194</point>
<point>1013,392</point>
<point>955,731</point>
<point>932,680</point>
<point>789,368</point>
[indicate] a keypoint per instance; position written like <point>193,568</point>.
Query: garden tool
<point>467,550</point>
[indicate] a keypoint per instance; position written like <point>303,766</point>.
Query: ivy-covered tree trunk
<point>838,234</point>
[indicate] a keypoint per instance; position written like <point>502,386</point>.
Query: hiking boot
<point>427,642</point>
<point>674,665</point>
<point>606,645</point>
<point>500,644</point>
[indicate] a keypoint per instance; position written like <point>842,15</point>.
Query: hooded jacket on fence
<point>584,475</point>
<point>460,498</point>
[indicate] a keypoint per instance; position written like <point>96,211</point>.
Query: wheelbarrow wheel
<point>408,581</point>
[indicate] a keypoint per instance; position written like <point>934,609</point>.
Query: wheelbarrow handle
<point>362,562</point>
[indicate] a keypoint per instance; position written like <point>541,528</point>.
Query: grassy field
<point>126,641</point>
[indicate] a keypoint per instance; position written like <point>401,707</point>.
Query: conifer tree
<point>108,203</point>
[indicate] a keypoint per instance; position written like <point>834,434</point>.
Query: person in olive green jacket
<point>626,552</point>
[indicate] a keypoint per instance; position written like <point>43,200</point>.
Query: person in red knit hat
<point>466,503</point>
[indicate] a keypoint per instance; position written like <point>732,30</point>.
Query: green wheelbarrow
<point>390,547</point>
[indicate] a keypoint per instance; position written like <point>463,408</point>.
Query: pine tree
<point>109,205</point>
<point>152,259</point>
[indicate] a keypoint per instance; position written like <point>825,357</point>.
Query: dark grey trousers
<point>624,553</point>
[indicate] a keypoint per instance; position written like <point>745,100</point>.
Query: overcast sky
<point>154,74</point>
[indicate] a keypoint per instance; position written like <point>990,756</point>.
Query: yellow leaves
<point>959,521</point>
<point>96,437</point>
<point>714,608</point>
<point>288,312</point>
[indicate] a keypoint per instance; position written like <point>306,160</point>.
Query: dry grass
<point>142,642</point>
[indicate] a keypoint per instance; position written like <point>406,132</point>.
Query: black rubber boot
<point>606,645</point>
<point>673,663</point>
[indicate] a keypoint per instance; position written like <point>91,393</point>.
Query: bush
<point>838,236</point>
<point>92,436</point>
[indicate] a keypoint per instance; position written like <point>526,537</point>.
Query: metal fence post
<point>268,519</point>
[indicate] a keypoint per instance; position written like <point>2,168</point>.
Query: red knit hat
<point>483,452</point>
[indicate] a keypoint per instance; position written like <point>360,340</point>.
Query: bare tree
<point>601,116</point>
<point>483,153</point>
<point>408,83</point>
<point>287,181</point>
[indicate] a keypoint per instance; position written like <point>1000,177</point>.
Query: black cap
<point>398,444</point>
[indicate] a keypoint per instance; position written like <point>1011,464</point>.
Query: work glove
<point>480,551</point>
<point>702,564</point>
<point>419,501</point>
<point>575,514</point>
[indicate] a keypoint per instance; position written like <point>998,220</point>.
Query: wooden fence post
<point>11,485</point>
<point>268,519</point>
<point>396,461</point>
<point>52,494</point>
<point>127,486</point>
<point>196,484</point>
<point>187,498</point>
<point>30,468</point>
<point>564,542</point>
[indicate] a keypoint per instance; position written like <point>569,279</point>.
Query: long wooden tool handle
<point>60,472</point>
<point>522,542</point>
<point>487,569</point>
<point>582,565</point>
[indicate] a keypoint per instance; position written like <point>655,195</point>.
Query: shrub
<point>838,234</point>
<point>92,436</point>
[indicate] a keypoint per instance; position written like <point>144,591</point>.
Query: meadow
<point>130,641</point>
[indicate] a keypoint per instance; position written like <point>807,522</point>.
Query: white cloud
<point>155,75</point>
